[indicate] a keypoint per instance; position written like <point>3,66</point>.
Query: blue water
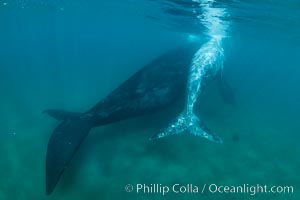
<point>70,54</point>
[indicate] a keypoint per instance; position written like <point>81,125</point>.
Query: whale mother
<point>156,86</point>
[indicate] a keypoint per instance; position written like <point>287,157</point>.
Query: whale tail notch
<point>190,123</point>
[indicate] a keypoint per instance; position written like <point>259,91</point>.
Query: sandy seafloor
<point>260,133</point>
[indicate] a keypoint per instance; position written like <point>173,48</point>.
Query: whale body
<point>208,59</point>
<point>156,86</point>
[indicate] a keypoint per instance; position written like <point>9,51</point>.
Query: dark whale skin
<point>156,86</point>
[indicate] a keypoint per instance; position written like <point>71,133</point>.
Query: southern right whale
<point>159,84</point>
<point>208,59</point>
<point>204,61</point>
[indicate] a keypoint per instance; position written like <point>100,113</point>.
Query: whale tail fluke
<point>61,114</point>
<point>190,123</point>
<point>63,143</point>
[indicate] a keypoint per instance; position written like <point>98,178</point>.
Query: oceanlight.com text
<point>207,188</point>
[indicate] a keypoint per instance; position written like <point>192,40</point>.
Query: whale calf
<point>159,84</point>
<point>207,60</point>
<point>204,62</point>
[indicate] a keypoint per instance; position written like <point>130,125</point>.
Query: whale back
<point>158,84</point>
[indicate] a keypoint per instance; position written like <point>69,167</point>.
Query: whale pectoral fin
<point>175,127</point>
<point>198,128</point>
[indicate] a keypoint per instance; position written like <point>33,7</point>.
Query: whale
<point>207,60</point>
<point>204,62</point>
<point>158,85</point>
